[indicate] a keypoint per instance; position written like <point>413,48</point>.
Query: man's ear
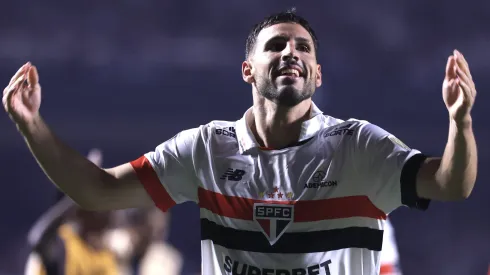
<point>247,72</point>
<point>318,80</point>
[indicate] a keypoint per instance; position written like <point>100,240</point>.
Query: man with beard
<point>284,190</point>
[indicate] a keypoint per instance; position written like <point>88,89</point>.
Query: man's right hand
<point>22,97</point>
<point>87,184</point>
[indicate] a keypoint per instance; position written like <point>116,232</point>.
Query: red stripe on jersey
<point>152,184</point>
<point>387,269</point>
<point>266,225</point>
<point>304,211</point>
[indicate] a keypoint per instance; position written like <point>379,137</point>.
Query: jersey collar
<point>309,128</point>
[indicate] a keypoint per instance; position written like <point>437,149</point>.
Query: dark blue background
<point>126,75</point>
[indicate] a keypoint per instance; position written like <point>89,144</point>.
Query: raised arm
<point>453,176</point>
<point>89,186</point>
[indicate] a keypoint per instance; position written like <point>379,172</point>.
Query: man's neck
<point>275,126</point>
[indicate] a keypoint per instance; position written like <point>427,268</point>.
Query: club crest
<point>273,219</point>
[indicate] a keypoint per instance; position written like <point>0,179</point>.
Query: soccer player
<point>139,238</point>
<point>285,189</point>
<point>69,240</point>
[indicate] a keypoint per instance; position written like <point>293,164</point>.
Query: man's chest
<point>293,198</point>
<point>311,172</point>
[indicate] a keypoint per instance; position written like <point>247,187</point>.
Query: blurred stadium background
<point>126,75</point>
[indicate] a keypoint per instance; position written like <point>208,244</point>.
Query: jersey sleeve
<point>168,173</point>
<point>387,169</point>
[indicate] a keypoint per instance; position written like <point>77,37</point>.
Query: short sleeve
<point>387,169</point>
<point>168,173</point>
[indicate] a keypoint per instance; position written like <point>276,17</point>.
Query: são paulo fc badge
<point>273,219</point>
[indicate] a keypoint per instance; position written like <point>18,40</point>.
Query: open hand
<point>458,88</point>
<point>22,97</point>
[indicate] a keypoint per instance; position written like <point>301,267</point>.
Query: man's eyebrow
<point>287,37</point>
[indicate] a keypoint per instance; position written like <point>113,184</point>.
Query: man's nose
<point>290,53</point>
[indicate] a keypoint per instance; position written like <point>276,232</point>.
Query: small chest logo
<point>340,131</point>
<point>318,181</point>
<point>273,219</point>
<point>233,174</point>
<point>228,131</point>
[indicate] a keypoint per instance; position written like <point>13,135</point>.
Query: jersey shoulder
<point>219,128</point>
<point>216,136</point>
<point>371,131</point>
<point>347,133</point>
<point>352,123</point>
<point>365,125</point>
<point>332,121</point>
<point>358,123</point>
<point>365,128</point>
<point>339,127</point>
<point>206,132</point>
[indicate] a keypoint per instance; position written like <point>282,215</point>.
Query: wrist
<point>27,128</point>
<point>463,123</point>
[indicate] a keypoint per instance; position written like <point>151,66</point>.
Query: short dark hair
<point>289,16</point>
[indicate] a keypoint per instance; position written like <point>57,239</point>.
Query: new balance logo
<point>233,175</point>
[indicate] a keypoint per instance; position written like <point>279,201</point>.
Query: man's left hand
<point>458,89</point>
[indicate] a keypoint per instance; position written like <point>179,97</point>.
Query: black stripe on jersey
<point>408,181</point>
<point>297,242</point>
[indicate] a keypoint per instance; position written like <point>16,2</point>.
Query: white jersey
<point>317,207</point>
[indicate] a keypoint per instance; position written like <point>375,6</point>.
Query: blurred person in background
<point>139,239</point>
<point>69,240</point>
<point>389,261</point>
<point>244,174</point>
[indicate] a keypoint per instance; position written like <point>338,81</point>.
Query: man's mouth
<point>293,71</point>
<point>289,72</point>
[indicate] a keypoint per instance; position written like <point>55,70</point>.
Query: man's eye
<point>276,47</point>
<point>304,48</point>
